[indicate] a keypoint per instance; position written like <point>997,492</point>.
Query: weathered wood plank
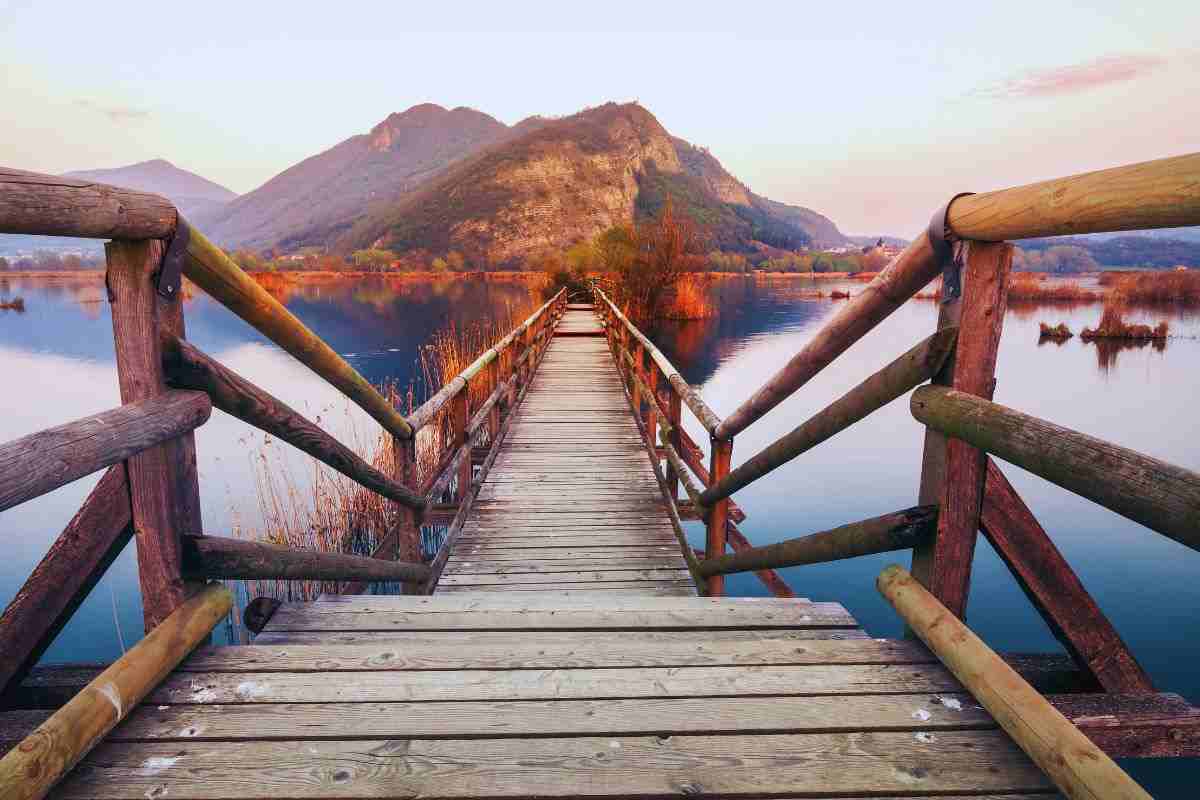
<point>701,766</point>
<point>565,638</point>
<point>226,558</point>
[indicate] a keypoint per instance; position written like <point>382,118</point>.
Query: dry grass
<point>16,304</point>
<point>690,300</point>
<point>1036,286</point>
<point>1113,325</point>
<point>317,508</point>
<point>1177,286</point>
<point>1059,332</point>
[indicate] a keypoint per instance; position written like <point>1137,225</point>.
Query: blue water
<point>58,361</point>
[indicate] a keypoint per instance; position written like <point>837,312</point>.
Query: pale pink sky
<point>870,113</point>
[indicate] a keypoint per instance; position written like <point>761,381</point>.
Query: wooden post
<point>408,520</point>
<point>494,377</point>
<point>650,375</point>
<point>718,515</point>
<point>163,487</point>
<point>635,368</point>
<point>460,410</point>
<point>953,472</point>
<point>674,413</point>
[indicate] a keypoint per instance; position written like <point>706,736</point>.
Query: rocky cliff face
<point>563,181</point>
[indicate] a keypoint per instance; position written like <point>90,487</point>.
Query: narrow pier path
<point>571,504</point>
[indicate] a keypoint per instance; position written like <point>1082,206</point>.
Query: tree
<point>4,264</point>
<point>663,249</point>
<point>455,261</point>
<point>439,265</point>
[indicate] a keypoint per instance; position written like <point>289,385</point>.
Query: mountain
<point>319,198</point>
<point>559,181</point>
<point>191,194</point>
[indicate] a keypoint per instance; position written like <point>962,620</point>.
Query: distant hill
<point>318,199</point>
<point>191,194</point>
<point>1152,249</point>
<point>565,180</point>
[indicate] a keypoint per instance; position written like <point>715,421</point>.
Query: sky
<point>873,114</point>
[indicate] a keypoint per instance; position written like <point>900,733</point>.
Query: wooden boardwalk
<point>571,487</point>
<point>533,673</point>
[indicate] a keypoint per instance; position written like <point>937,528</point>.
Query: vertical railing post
<point>495,375</point>
<point>651,378</point>
<point>163,488</point>
<point>718,515</point>
<point>674,415</point>
<point>460,413</point>
<point>953,472</point>
<point>635,370</point>
<point>408,520</point>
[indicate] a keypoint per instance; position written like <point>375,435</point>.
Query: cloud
<point>115,113</point>
<point>1073,78</point>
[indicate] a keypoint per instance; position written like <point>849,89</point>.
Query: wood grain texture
<point>41,462</point>
<point>1069,758</point>
<point>164,489</point>
<point>54,205</point>
<point>718,514</point>
<point>1161,496</point>
<point>897,531</point>
<point>31,768</point>
<point>65,576</point>
<point>1055,590</point>
<point>1164,193</point>
<point>216,557</point>
<point>649,766</point>
<point>189,368</point>
<point>984,300</point>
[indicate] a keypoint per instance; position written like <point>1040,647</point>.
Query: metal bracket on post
<point>948,249</point>
<point>170,275</point>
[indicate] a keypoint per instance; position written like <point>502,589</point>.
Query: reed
<point>1113,326</point>
<point>312,507</point>
<point>1176,286</point>
<point>690,299</point>
<point>1036,286</point>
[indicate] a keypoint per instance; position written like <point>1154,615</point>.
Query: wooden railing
<point>168,388</point>
<point>961,491</point>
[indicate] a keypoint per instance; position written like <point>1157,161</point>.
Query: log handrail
<point>1076,765</point>
<point>908,371</point>
<point>429,409</point>
<point>30,769</point>
<point>687,392</point>
<point>897,531</point>
<point>55,205</point>
<point>1161,496</point>
<point>208,267</point>
<point>224,558</point>
<point>41,462</point>
<point>189,368</point>
<point>1155,194</point>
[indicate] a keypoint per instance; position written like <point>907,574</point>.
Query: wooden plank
<point>163,486</point>
<point>682,588</point>
<point>41,462</point>
<point>486,566</point>
<point>291,617</point>
<point>565,638</point>
<point>702,766</point>
<point>1055,590</point>
<point>31,768</point>
<point>1069,758</point>
<point>536,652</point>
<point>65,576</point>
<point>544,684</point>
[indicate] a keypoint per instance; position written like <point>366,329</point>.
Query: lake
<point>57,359</point>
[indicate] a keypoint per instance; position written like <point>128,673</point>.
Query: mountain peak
<point>401,127</point>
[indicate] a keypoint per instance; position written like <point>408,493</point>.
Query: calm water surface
<point>58,365</point>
